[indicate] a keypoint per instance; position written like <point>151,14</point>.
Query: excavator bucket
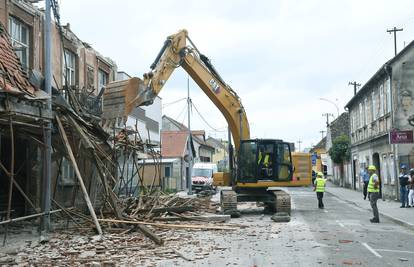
<point>120,98</point>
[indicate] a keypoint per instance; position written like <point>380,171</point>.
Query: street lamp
<point>327,100</point>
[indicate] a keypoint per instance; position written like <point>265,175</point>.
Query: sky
<point>281,57</point>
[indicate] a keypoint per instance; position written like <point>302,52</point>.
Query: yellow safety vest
<point>266,161</point>
<point>371,183</point>
<point>320,184</point>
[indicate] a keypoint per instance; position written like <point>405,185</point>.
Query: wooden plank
<point>169,209</point>
<point>204,218</point>
<point>150,234</point>
<point>164,225</point>
<point>181,255</point>
<point>90,147</point>
<point>78,175</point>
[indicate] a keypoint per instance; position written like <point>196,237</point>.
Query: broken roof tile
<point>12,75</point>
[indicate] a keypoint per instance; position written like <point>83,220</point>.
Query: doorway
<point>354,173</point>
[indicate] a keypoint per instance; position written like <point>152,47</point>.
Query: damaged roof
<point>174,143</point>
<point>12,77</point>
<point>198,135</point>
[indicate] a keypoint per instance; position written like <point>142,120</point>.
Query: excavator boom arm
<point>176,53</point>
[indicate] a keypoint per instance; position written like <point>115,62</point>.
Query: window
<point>67,172</point>
<point>374,109</point>
<point>354,120</point>
<point>391,168</point>
<point>360,116</point>
<point>388,92</point>
<point>69,62</point>
<point>365,111</point>
<point>167,171</point>
<point>19,35</point>
<point>248,160</point>
<point>90,80</point>
<point>381,111</point>
<point>102,79</point>
<point>384,170</point>
<point>351,118</point>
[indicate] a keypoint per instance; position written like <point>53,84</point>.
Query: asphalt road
<point>339,235</point>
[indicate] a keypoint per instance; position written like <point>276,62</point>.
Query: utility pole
<point>395,30</point>
<point>356,85</point>
<point>47,134</point>
<point>299,142</point>
<point>327,117</point>
<point>190,150</point>
<point>322,132</point>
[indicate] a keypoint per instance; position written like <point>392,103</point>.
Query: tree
<point>340,151</point>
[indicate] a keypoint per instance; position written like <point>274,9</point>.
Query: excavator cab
<point>264,160</point>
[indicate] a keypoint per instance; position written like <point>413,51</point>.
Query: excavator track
<point>282,201</point>
<point>228,203</point>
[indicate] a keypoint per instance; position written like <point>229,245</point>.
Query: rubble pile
<point>147,207</point>
<point>67,249</point>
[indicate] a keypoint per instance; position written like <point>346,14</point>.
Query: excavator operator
<point>265,163</point>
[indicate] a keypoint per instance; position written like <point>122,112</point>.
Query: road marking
<point>340,224</point>
<point>391,250</point>
<point>325,211</point>
<point>372,250</point>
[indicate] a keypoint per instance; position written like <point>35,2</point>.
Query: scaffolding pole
<point>46,202</point>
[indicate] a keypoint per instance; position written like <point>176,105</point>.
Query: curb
<point>392,218</point>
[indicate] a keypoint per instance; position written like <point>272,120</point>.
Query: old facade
<point>382,105</point>
<point>76,65</point>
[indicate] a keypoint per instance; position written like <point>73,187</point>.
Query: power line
<point>205,121</point>
<point>183,110</point>
<point>185,115</point>
<point>174,102</point>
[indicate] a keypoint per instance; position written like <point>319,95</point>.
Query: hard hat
<point>412,171</point>
<point>403,166</point>
<point>372,168</point>
<point>320,174</point>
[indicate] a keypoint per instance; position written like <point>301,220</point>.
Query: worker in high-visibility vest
<point>319,186</point>
<point>265,159</point>
<point>264,164</point>
<point>373,192</point>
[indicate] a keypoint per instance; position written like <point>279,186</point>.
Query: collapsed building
<point>88,163</point>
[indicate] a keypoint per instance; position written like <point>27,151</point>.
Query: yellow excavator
<point>257,165</point>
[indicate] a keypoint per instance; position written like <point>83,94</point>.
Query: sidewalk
<point>388,208</point>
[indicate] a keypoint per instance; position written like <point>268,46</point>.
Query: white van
<point>202,176</point>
